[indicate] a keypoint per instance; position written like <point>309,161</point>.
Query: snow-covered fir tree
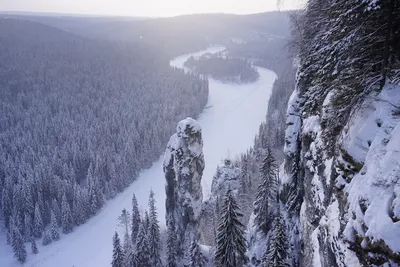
<point>18,245</point>
<point>171,249</point>
<point>46,240</point>
<point>128,249</point>
<point>146,222</point>
<point>55,234</point>
<point>197,258</point>
<point>34,248</point>
<point>231,244</point>
<point>28,227</point>
<point>142,252</point>
<point>277,250</point>
<point>118,254</point>
<point>266,193</point>
<point>67,223</point>
<point>37,222</point>
<point>154,233</point>
<point>136,221</point>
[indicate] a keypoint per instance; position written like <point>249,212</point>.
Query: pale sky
<point>148,8</point>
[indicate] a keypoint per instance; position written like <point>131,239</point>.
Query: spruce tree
<point>276,252</point>
<point>231,244</point>
<point>67,223</point>
<point>171,245</point>
<point>142,255</point>
<point>34,248</point>
<point>37,223</point>
<point>55,235</point>
<point>197,258</point>
<point>154,233</point>
<point>46,238</point>
<point>266,193</point>
<point>118,254</point>
<point>135,219</point>
<point>18,245</point>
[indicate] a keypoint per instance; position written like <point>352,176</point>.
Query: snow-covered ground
<point>229,122</point>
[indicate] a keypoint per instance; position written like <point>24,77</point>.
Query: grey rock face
<point>183,168</point>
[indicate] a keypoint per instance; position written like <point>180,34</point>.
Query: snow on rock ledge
<point>183,168</point>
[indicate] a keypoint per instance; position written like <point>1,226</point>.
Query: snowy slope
<point>229,122</point>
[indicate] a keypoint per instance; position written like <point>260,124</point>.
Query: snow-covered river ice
<point>230,122</point>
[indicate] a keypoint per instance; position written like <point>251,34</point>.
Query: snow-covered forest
<point>80,119</point>
<point>88,105</point>
<point>222,68</point>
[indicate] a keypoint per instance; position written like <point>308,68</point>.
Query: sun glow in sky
<point>145,8</point>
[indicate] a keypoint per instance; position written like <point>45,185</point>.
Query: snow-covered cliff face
<point>227,176</point>
<point>345,205</point>
<point>183,168</point>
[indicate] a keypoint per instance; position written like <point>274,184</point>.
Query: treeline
<point>222,68</point>
<point>80,118</point>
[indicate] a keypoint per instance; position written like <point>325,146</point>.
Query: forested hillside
<point>222,68</point>
<point>80,118</point>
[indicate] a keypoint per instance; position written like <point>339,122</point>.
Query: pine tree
<point>18,245</point>
<point>118,254</point>
<point>46,238</point>
<point>124,221</point>
<point>154,233</point>
<point>171,245</point>
<point>142,255</point>
<point>55,235</point>
<point>231,244</point>
<point>37,223</point>
<point>197,258</point>
<point>33,246</point>
<point>67,223</point>
<point>276,252</point>
<point>135,219</point>
<point>266,193</point>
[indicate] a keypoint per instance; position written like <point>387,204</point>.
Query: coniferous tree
<point>154,233</point>
<point>197,258</point>
<point>57,211</point>
<point>124,221</point>
<point>276,251</point>
<point>18,245</point>
<point>171,246</point>
<point>118,254</point>
<point>146,221</point>
<point>231,244</point>
<point>135,219</point>
<point>46,238</point>
<point>34,248</point>
<point>142,255</point>
<point>67,223</point>
<point>28,226</point>
<point>266,193</point>
<point>37,223</point>
<point>127,248</point>
<point>55,235</point>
